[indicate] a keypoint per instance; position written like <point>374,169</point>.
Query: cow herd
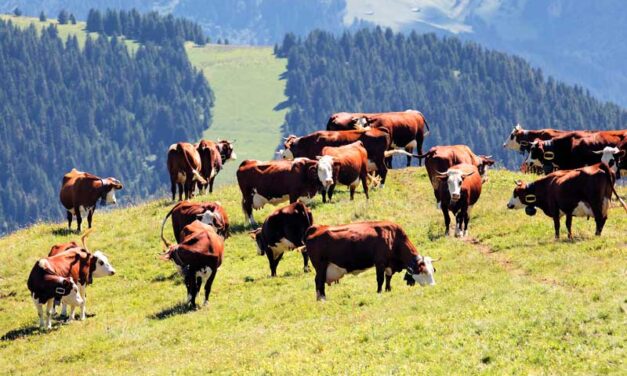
<point>356,149</point>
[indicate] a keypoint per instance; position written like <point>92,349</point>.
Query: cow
<point>459,189</point>
<point>184,166</point>
<point>282,231</point>
<point>80,192</point>
<point>350,164</point>
<point>212,157</point>
<point>353,248</point>
<point>569,151</point>
<point>82,265</point>
<point>186,212</point>
<point>346,121</point>
<point>582,192</point>
<point>375,141</point>
<point>520,139</point>
<point>277,181</point>
<point>441,158</point>
<point>197,258</point>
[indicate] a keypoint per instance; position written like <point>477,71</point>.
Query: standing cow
<point>350,165</point>
<point>186,212</point>
<point>80,192</point>
<point>353,248</point>
<point>459,189</point>
<point>184,165</point>
<point>283,231</point>
<point>212,157</point>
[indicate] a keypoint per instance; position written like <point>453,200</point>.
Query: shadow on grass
<point>239,228</point>
<point>63,231</point>
<point>26,331</point>
<point>163,278</point>
<point>179,309</point>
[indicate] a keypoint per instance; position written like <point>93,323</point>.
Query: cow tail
<point>611,179</point>
<point>189,164</point>
<point>163,225</point>
<point>426,125</point>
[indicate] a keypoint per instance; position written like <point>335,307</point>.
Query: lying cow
<point>283,231</point>
<point>197,257</point>
<point>459,189</point>
<point>353,248</point>
<point>277,181</point>
<point>80,192</point>
<point>583,192</point>
<point>212,157</point>
<point>186,212</point>
<point>184,166</point>
<point>350,164</point>
<point>82,265</point>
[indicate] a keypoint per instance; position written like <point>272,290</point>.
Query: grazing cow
<point>184,165</point>
<point>583,192</point>
<point>212,157</point>
<point>353,248</point>
<point>459,189</point>
<point>569,151</point>
<point>350,164</point>
<point>441,158</point>
<point>82,266</point>
<point>80,192</point>
<point>197,257</point>
<point>375,141</point>
<point>277,181</point>
<point>283,231</point>
<point>186,212</point>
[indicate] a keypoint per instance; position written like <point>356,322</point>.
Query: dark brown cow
<point>353,248</point>
<point>441,158</point>
<point>459,189</point>
<point>583,192</point>
<point>277,181</point>
<point>350,164</point>
<point>80,191</point>
<point>283,231</point>
<point>184,166</point>
<point>375,141</point>
<point>186,212</point>
<point>213,156</point>
<point>197,257</point>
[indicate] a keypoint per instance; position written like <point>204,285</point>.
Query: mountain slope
<point>511,301</point>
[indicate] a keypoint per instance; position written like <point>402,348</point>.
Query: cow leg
<point>63,309</point>
<point>272,262</point>
<point>305,261</point>
<point>388,279</point>
<point>40,313</point>
<point>180,188</point>
<point>173,187</point>
<point>419,142</point>
<point>49,305</point>
<point>79,219</point>
<point>569,222</point>
<point>380,275</point>
<point>321,277</point>
<point>69,220</point>
<point>364,182</point>
<point>82,290</point>
<point>409,149</point>
<point>383,171</point>
<point>190,283</point>
<point>331,191</point>
<point>90,215</point>
<point>247,208</point>
<point>188,189</point>
<point>388,162</point>
<point>71,316</point>
<point>459,224</point>
<point>556,225</point>
<point>447,218</point>
<point>599,218</point>
<point>466,223</point>
<point>208,286</point>
<point>323,193</point>
<point>211,184</point>
<point>352,191</point>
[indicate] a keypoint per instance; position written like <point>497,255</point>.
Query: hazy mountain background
<point>576,41</point>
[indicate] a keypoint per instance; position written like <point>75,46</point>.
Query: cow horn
<point>85,236</point>
<point>518,183</point>
<point>468,174</point>
<point>436,260</point>
<point>441,174</point>
<point>597,151</point>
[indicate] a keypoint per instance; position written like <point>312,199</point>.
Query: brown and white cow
<point>80,192</point>
<point>350,165</point>
<point>184,166</point>
<point>282,231</point>
<point>520,139</point>
<point>213,155</point>
<point>441,158</point>
<point>197,257</point>
<point>459,189</point>
<point>186,212</point>
<point>582,192</point>
<point>353,248</point>
<point>278,181</point>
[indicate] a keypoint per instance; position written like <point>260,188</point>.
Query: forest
<point>99,108</point>
<point>469,95</point>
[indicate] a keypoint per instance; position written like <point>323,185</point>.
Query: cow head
<point>211,218</point>
<point>66,291</point>
<point>360,123</point>
<point>514,142</point>
<point>101,266</point>
<point>227,153</point>
<point>524,196</point>
<point>541,154</point>
<point>484,165</point>
<point>109,186</point>
<point>258,237</point>
<point>454,178</point>
<point>611,156</point>
<point>289,144</point>
<point>325,171</point>
<point>421,270</point>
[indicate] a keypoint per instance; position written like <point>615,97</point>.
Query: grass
<point>511,301</point>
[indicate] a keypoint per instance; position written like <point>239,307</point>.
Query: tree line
<point>469,95</point>
<point>99,108</point>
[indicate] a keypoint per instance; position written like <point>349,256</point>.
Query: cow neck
<point>535,189</point>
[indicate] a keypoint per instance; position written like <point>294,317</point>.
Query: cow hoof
<point>306,269</point>
<point>205,303</point>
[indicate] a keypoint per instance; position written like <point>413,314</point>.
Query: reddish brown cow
<point>350,165</point>
<point>353,248</point>
<point>583,192</point>
<point>277,181</point>
<point>213,156</point>
<point>186,212</point>
<point>283,231</point>
<point>459,189</point>
<point>184,165</point>
<point>197,257</point>
<point>80,192</point>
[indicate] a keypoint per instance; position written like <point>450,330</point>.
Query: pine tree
<point>72,19</point>
<point>63,17</point>
<point>17,12</point>
<point>42,16</point>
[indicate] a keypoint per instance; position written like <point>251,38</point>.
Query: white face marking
<point>282,246</point>
<point>233,156</point>
<point>511,142</point>
<point>325,171</point>
<point>608,155</point>
<point>454,181</point>
<point>73,298</point>
<point>533,161</point>
<point>208,217</point>
<point>515,203</point>
<point>111,199</point>
<point>287,154</point>
<point>103,267</point>
<point>427,277</point>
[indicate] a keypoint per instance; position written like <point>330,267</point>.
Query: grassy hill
<point>508,300</point>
